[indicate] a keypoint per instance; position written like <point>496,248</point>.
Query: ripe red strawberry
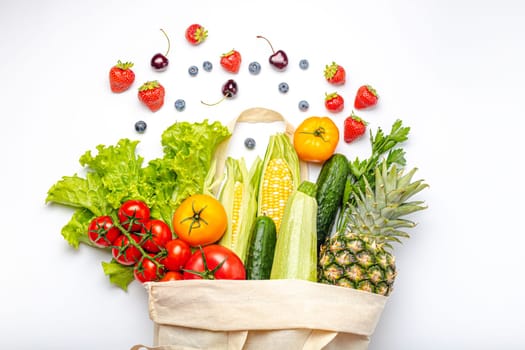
<point>121,76</point>
<point>151,93</point>
<point>334,102</point>
<point>231,61</point>
<point>196,34</point>
<point>354,128</point>
<point>335,74</point>
<point>366,97</point>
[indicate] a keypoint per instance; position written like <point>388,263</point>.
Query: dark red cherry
<point>229,90</point>
<point>159,62</point>
<point>278,59</point>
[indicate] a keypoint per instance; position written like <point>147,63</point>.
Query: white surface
<point>452,70</point>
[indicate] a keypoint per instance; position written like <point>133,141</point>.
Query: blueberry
<point>140,126</point>
<point>207,66</point>
<point>249,143</point>
<point>303,64</point>
<point>283,87</point>
<point>180,105</point>
<point>304,105</point>
<point>254,68</point>
<point>193,71</point>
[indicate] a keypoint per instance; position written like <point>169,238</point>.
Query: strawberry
<point>231,61</point>
<point>354,128</point>
<point>196,34</point>
<point>334,102</point>
<point>151,93</point>
<point>335,74</point>
<point>121,76</point>
<point>366,97</point>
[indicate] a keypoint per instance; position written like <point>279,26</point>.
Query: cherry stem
<point>216,103</point>
<point>268,41</point>
<point>167,38</point>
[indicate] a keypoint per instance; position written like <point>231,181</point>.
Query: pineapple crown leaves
<point>378,211</point>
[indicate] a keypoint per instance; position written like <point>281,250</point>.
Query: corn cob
<point>238,197</point>
<point>280,177</point>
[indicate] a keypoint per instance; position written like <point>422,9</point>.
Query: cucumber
<point>330,189</point>
<point>259,260</point>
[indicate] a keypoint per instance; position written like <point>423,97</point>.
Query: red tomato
<point>155,235</point>
<point>172,276</point>
<point>102,232</point>
<point>133,215</point>
<point>124,252</point>
<point>214,262</point>
<point>178,252</point>
<point>148,269</point>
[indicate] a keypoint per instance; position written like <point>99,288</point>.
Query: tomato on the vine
<point>155,234</point>
<point>102,232</point>
<point>214,262</point>
<point>178,252</point>
<point>172,276</point>
<point>200,220</point>
<point>133,215</point>
<point>124,252</point>
<point>148,269</point>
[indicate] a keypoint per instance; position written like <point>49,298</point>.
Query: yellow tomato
<point>315,139</point>
<point>200,220</point>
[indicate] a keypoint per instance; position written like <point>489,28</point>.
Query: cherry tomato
<point>178,252</point>
<point>148,269</point>
<point>102,232</point>
<point>124,252</point>
<point>155,235</point>
<point>200,220</point>
<point>172,276</point>
<point>214,262</point>
<point>133,215</point>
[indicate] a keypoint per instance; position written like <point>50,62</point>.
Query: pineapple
<point>359,255</point>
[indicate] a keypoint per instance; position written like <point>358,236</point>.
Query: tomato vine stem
<point>132,242</point>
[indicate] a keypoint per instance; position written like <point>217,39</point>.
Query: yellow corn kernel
<point>277,186</point>
<point>237,199</point>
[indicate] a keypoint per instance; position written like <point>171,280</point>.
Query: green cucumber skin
<point>330,189</point>
<point>261,250</point>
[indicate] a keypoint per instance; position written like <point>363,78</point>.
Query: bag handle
<point>252,115</point>
<point>318,339</point>
<point>236,340</point>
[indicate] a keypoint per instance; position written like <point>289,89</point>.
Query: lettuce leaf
<point>189,149</point>
<point>117,173</point>
<point>75,231</point>
<point>120,170</point>
<point>119,275</point>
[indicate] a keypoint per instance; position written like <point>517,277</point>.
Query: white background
<point>451,70</point>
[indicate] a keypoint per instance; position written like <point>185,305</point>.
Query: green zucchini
<point>295,251</point>
<point>261,250</point>
<point>330,189</point>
